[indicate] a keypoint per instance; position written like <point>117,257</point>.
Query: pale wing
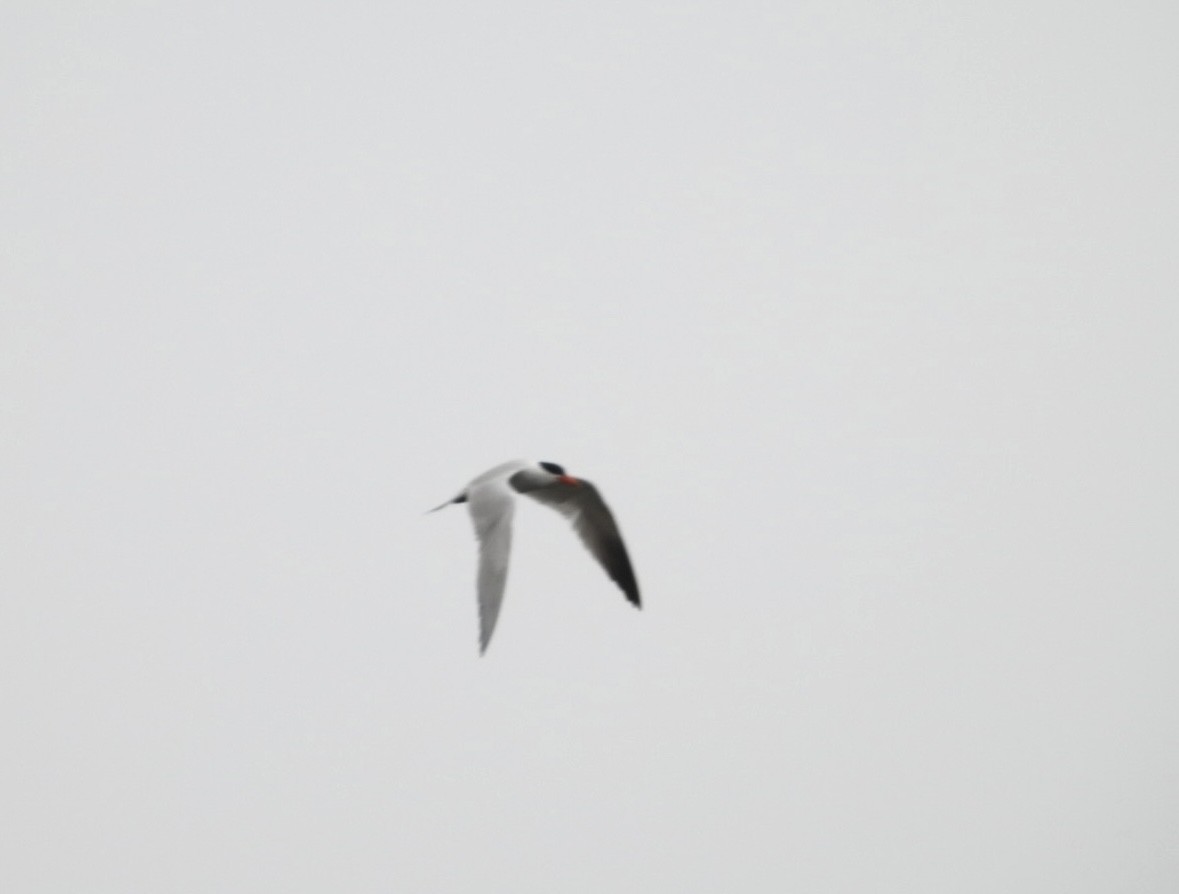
<point>594,523</point>
<point>491,509</point>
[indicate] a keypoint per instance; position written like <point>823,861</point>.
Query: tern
<point>491,499</point>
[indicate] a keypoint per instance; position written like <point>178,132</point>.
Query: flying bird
<point>491,499</point>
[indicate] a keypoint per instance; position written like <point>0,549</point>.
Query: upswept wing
<point>583,505</point>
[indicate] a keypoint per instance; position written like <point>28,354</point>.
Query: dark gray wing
<point>592,520</point>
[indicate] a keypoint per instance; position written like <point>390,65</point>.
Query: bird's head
<point>559,473</point>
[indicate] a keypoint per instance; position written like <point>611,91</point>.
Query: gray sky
<point>863,317</point>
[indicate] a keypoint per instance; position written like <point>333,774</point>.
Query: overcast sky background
<point>862,316</point>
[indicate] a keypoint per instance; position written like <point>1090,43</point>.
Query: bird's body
<point>491,500</point>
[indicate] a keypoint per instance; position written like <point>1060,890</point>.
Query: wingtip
<point>630,589</point>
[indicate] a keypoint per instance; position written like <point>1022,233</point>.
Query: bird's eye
<point>552,467</point>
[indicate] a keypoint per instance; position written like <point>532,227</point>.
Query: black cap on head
<point>552,467</point>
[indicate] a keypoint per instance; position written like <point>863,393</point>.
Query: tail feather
<point>461,498</point>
